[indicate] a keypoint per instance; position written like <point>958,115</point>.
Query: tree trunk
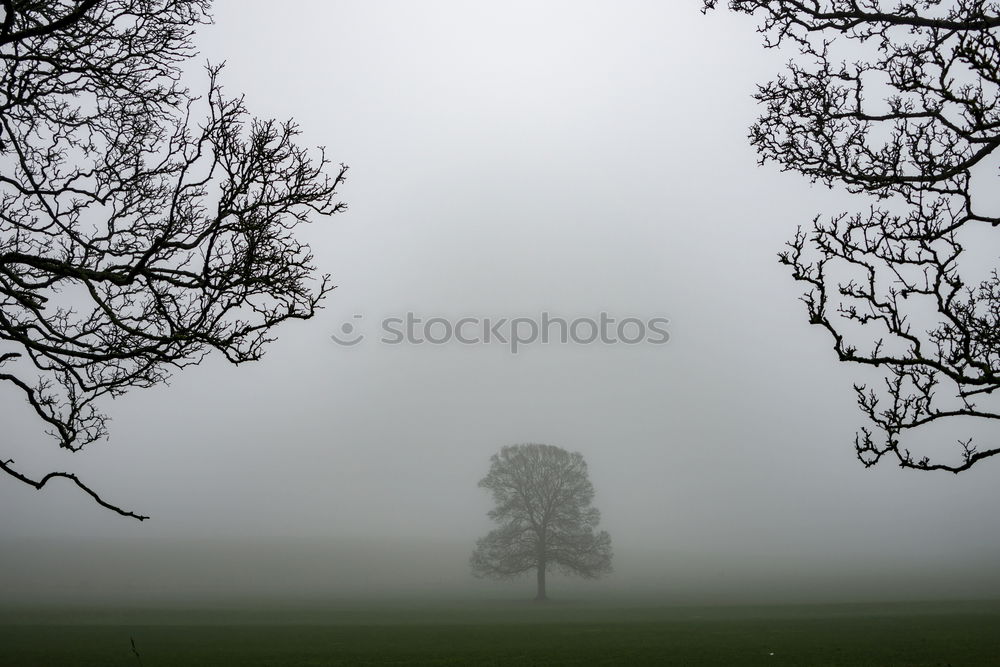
<point>540,597</point>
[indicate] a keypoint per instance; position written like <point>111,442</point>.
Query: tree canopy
<point>542,497</point>
<point>899,102</point>
<point>141,226</point>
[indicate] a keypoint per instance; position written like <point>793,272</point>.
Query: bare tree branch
<point>910,122</point>
<point>6,467</point>
<point>134,239</point>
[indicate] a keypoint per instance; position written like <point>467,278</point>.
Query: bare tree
<point>908,115</point>
<point>134,240</point>
<point>543,505</point>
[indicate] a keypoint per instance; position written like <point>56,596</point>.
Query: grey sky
<point>510,158</point>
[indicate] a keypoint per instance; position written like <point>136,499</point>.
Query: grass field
<point>508,633</point>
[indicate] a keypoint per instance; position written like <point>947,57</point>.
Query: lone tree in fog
<point>911,118</point>
<point>141,227</point>
<point>542,495</point>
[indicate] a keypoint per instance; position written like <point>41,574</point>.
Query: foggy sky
<point>508,159</point>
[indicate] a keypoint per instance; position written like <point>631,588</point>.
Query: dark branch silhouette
<point>6,467</point>
<point>543,505</point>
<point>910,124</point>
<point>134,240</point>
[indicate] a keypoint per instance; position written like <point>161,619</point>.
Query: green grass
<point>508,633</point>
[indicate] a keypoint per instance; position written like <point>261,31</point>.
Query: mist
<point>508,160</point>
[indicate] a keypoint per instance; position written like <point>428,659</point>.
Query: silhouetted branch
<point>908,124</point>
<point>55,25</point>
<point>133,239</point>
<point>6,467</point>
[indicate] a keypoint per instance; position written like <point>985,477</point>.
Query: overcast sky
<point>509,159</point>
